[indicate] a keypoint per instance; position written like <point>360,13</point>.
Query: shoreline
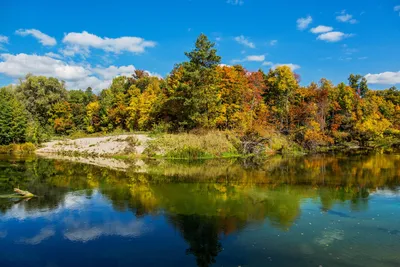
<point>120,152</point>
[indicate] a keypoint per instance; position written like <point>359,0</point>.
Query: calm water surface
<point>308,211</point>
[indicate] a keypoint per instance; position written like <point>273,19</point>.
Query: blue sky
<point>86,43</point>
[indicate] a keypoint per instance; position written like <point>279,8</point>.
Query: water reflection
<point>320,199</point>
<point>202,235</point>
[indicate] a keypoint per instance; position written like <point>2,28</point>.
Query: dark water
<point>309,211</point>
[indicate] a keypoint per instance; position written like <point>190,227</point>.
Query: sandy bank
<point>108,145</point>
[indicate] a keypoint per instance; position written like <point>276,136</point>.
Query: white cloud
<point>292,66</point>
<point>235,2</point>
<point>344,17</point>
<point>21,64</point>
<point>235,61</point>
<point>76,76</point>
<point>275,65</point>
<point>267,63</point>
<point>84,233</point>
<point>397,8</point>
<point>44,39</point>
<point>44,234</point>
<point>72,50</point>
<point>113,71</point>
<point>384,78</point>
<point>257,58</point>
<point>82,42</point>
<point>252,58</point>
<point>53,55</point>
<point>244,41</point>
<point>345,58</point>
<point>154,74</point>
<point>89,81</point>
<point>350,51</point>
<point>321,29</point>
<point>273,42</point>
<point>333,36</point>
<point>303,23</point>
<point>3,40</point>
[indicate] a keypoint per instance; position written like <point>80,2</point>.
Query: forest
<point>201,95</point>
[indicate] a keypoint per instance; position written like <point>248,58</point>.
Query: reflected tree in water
<point>202,235</point>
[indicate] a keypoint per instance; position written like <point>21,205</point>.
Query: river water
<point>322,210</point>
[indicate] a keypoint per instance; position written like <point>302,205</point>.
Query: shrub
<point>24,149</point>
<point>162,127</point>
<point>28,148</point>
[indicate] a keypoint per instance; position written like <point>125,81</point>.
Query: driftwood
<point>23,193</point>
<point>19,194</point>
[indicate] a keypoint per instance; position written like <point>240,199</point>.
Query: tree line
<point>202,93</point>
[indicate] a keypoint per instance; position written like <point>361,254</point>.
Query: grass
<point>21,149</point>
<point>213,144</point>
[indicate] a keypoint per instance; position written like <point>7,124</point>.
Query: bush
<point>22,149</point>
<point>162,127</point>
<point>28,148</point>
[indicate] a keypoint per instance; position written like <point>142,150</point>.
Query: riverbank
<point>106,146</point>
<point>170,146</point>
<point>104,150</point>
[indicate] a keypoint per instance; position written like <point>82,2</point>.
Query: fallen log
<point>23,193</point>
<point>19,194</point>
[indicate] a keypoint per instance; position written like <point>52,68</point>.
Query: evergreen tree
<point>13,118</point>
<point>193,86</point>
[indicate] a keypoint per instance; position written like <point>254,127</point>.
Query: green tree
<point>13,117</point>
<point>359,84</point>
<point>78,100</point>
<point>193,87</point>
<point>39,94</point>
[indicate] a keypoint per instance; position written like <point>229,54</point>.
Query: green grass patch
<point>213,144</point>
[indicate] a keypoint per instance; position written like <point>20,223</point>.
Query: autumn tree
<point>370,124</point>
<point>281,83</point>
<point>62,117</point>
<point>93,119</point>
<point>232,83</point>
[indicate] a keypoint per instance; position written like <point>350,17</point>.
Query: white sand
<point>108,145</point>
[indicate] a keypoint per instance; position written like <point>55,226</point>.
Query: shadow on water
<point>210,200</point>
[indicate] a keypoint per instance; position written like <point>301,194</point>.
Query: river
<point>321,210</point>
